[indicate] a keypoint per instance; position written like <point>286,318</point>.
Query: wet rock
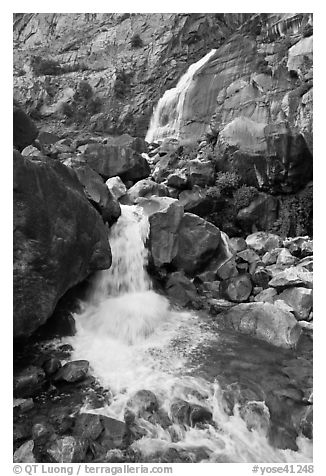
<point>66,449</point>
<point>189,414</point>
<point>237,289</point>
<point>262,242</point>
<point>88,426</point>
<point>47,138</point>
<point>147,188</point>
<point>294,276</point>
<point>24,129</point>
<point>59,239</point>
<point>110,160</point>
<point>21,431</point>
<point>300,299</point>
<point>31,151</point>
<point>238,244</point>
<point>114,433</point>
<point>26,405</point>
<point>29,382</point>
<point>285,258</point>
<point>24,454</point>
<point>142,402</point>
<point>181,289</point>
<point>62,418</point>
<point>116,187</point>
<point>283,438</point>
<point>164,219</point>
<point>256,416</point>
<point>306,424</point>
<point>199,414</point>
<point>98,194</point>
<point>51,366</point>
<point>264,321</point>
<point>201,173</point>
<point>174,455</point>
<point>74,371</point>
<point>267,295</point>
<point>197,242</point>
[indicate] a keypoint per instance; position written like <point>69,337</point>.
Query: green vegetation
<point>244,196</point>
<point>49,67</point>
<point>84,104</point>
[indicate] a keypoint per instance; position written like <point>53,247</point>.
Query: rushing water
<point>167,116</point>
<point>134,340</point>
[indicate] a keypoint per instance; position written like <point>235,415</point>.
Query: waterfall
<point>134,340</point>
<point>166,120</point>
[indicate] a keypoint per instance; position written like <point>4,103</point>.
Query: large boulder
<point>165,215</point>
<point>59,239</point>
<point>196,201</point>
<point>114,159</point>
<point>300,299</point>
<point>181,289</point>
<point>24,129</point>
<point>116,187</point>
<point>236,289</point>
<point>264,321</point>
<point>201,172</point>
<point>262,212</point>
<point>198,241</point>
<point>99,194</point>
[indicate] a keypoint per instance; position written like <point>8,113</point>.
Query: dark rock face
<point>29,381</point>
<point>98,194</point>
<point>72,371</point>
<point>59,239</point>
<point>198,240</point>
<point>24,129</point>
<point>110,160</point>
<point>180,288</point>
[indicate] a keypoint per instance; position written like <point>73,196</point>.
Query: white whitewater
<point>134,340</point>
<point>167,115</point>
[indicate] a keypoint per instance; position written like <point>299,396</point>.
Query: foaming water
<point>167,116</point>
<point>134,340</point>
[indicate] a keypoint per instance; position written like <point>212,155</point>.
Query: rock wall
<point>59,239</point>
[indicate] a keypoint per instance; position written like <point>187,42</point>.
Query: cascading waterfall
<point>167,116</point>
<point>134,340</point>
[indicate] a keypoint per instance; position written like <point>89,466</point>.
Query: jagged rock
<point>116,187</point>
<point>295,276</point>
<point>98,194</point>
<point>72,371</point>
<point>181,289</point>
<point>196,201</point>
<point>300,299</point>
<point>299,246</point>
<point>236,289</point>
<point>24,454</point>
<point>59,239</point>
<point>165,217</point>
<point>114,433</point>
<point>270,257</point>
<point>31,151</point>
<point>177,179</point>
<point>24,129</point>
<point>88,425</point>
<point>307,263</point>
<point>261,213</point>
<point>110,160</point>
<point>29,381</point>
<point>285,258</point>
<point>265,321</point>
<point>283,305</point>
<point>262,241</point>
<point>201,173</point>
<point>249,256</point>
<point>66,449</point>
<point>141,403</point>
<point>42,431</point>
<point>197,242</point>
<point>147,188</point>
<point>238,244</point>
<point>267,295</point>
